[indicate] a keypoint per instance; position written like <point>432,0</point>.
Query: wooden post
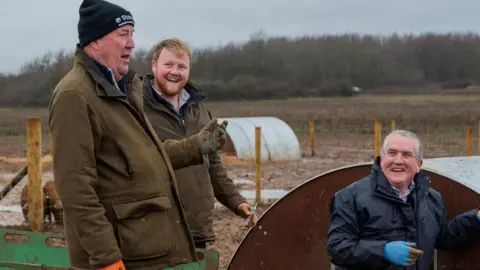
<point>311,127</point>
<point>393,124</point>
<point>34,171</point>
<point>258,161</point>
<point>378,138</point>
<point>469,141</point>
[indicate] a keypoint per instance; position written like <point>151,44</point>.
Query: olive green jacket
<point>199,185</point>
<point>114,176</point>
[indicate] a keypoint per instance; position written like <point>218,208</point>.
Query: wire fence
<point>316,140</point>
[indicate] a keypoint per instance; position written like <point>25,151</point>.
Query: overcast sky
<point>32,27</point>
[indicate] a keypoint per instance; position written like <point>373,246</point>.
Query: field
<point>344,131</point>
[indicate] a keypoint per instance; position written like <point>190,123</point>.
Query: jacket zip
<point>417,205</point>
<point>176,115</point>
<point>179,116</point>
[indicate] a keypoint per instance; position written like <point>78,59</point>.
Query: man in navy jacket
<point>392,219</point>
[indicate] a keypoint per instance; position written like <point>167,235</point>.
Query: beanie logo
<point>124,19</point>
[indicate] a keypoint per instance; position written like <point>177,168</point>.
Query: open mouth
<point>397,170</point>
<point>172,80</point>
<point>126,56</point>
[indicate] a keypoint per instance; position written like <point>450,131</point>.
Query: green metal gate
<point>28,250</point>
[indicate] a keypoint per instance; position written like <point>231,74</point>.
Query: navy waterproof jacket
<point>368,213</point>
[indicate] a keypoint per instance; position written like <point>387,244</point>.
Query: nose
<point>130,43</point>
<point>398,158</point>
<point>174,70</point>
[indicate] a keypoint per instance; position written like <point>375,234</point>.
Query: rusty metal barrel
<point>292,233</point>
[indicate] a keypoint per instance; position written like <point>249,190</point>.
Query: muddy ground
<point>230,229</point>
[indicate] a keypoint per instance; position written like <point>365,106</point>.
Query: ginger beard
<point>171,71</point>
<point>170,85</point>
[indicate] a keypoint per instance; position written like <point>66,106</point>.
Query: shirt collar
<point>120,85</point>
<point>410,188</point>
<point>184,96</point>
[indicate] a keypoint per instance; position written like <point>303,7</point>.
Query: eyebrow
<point>126,31</point>
<point>395,150</point>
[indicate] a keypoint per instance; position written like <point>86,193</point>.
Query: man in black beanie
<point>114,177</point>
<point>105,33</point>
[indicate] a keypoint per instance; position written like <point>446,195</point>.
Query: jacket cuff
<point>103,249</point>
<point>234,202</point>
<point>105,265</point>
<point>377,248</point>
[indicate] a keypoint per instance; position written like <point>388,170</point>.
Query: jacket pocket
<point>144,228</point>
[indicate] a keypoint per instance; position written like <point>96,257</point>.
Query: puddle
<point>265,193</point>
<point>244,182</point>
<point>268,195</point>
<point>13,208</point>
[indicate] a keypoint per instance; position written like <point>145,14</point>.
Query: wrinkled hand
<point>245,211</point>
<point>212,137</point>
<point>401,252</point>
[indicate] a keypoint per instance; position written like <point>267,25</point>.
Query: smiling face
<point>171,70</point>
<point>114,50</point>
<point>399,161</point>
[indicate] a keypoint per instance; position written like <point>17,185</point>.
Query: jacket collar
<point>120,84</point>
<point>104,86</point>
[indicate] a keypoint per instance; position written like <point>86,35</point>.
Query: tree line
<point>279,67</point>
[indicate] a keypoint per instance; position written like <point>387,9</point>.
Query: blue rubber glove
<point>401,252</point>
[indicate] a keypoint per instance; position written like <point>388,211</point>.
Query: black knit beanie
<point>98,18</point>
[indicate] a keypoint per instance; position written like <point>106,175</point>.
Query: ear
<point>154,66</point>
<point>95,44</point>
<point>420,163</point>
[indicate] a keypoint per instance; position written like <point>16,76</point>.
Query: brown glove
<point>212,137</point>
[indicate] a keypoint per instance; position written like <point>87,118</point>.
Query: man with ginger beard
<point>175,108</point>
<point>114,176</point>
<point>392,219</point>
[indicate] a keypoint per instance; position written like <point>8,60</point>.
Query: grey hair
<point>407,134</point>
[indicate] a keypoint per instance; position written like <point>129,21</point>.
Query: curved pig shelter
<point>278,140</point>
<point>292,233</point>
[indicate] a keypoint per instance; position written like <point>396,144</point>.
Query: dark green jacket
<point>199,185</point>
<point>114,176</point>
